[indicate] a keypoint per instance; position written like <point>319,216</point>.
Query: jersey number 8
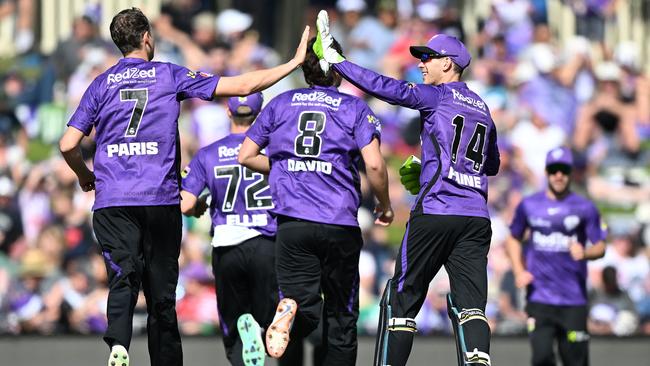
<point>308,142</point>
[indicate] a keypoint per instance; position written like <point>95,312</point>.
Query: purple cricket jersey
<point>554,225</point>
<point>458,136</point>
<point>313,137</point>
<point>134,108</point>
<point>240,196</point>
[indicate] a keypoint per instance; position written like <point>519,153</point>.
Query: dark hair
<point>458,70</point>
<point>312,71</point>
<point>243,120</point>
<point>127,29</point>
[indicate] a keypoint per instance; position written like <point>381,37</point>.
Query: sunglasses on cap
<point>430,56</point>
<point>554,168</point>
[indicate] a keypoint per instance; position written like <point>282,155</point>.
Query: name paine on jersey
<point>553,242</point>
<point>316,166</point>
<point>473,181</point>
<point>132,148</point>
<point>131,73</point>
<point>247,220</point>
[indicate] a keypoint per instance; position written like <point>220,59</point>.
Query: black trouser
<point>313,257</point>
<point>567,324</point>
<point>245,279</point>
<point>461,244</point>
<point>141,245</point>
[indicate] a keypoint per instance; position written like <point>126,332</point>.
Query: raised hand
<point>324,41</point>
<point>301,51</point>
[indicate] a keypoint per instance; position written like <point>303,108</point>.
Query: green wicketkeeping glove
<point>409,174</point>
<point>323,46</point>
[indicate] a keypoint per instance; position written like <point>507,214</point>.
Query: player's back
<point>314,140</point>
<point>241,197</point>
<point>458,152</point>
<point>134,108</point>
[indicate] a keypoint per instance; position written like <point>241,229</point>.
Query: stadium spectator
<point>611,311</point>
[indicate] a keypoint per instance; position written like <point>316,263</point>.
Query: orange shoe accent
<point>277,335</point>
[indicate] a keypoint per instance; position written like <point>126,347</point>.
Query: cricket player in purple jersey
<point>243,257</point>
<point>556,225</point>
<point>314,139</point>
<point>134,108</point>
<point>449,223</point>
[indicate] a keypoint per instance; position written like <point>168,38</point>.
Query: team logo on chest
<point>571,222</point>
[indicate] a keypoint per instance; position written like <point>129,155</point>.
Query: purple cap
<point>442,45</point>
<point>251,104</point>
<point>559,155</point>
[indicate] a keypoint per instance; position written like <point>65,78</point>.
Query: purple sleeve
<point>519,222</point>
<point>593,228</point>
<point>261,128</point>
<point>367,126</point>
<point>493,157</point>
<point>410,95</point>
<point>194,177</point>
<point>85,116</point>
<point>193,84</point>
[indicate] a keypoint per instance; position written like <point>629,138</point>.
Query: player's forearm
<point>259,163</point>
<point>75,161</point>
<point>254,81</point>
<point>513,249</point>
<point>188,203</point>
<point>595,251</point>
<point>379,86</point>
<point>378,180</point>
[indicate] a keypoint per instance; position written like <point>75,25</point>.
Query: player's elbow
<point>375,165</point>
<point>492,169</point>
<point>66,145</point>
<point>242,160</point>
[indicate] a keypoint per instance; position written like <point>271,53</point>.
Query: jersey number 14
<point>474,152</point>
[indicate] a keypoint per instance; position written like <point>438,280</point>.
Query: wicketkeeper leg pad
<point>394,334</point>
<point>472,334</point>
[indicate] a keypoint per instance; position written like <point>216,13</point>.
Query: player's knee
<point>165,311</point>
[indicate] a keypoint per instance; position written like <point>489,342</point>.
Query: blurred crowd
<point>542,94</point>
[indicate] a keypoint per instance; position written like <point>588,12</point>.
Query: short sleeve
<point>85,115</point>
<point>519,222</point>
<point>367,126</point>
<point>593,226</point>
<point>194,177</point>
<point>193,84</point>
<point>262,127</point>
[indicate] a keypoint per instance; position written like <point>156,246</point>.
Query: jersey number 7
<point>140,96</point>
